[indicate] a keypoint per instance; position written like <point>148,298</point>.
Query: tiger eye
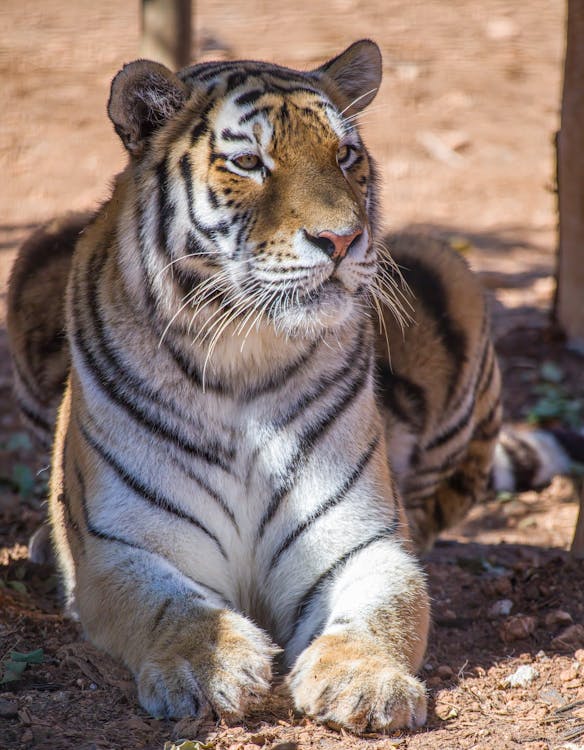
<point>343,154</point>
<point>247,161</point>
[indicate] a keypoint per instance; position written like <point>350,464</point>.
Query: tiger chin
<point>220,484</point>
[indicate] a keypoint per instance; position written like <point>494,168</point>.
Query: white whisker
<point>358,99</point>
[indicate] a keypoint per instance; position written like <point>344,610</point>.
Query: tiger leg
<point>455,495</point>
<point>189,651</point>
<point>191,655</point>
<point>373,619</point>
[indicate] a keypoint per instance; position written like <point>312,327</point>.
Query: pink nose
<point>340,242</point>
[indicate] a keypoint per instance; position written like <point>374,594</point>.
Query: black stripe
<point>404,398</point>
<point>186,279</point>
<point>453,431</point>
<point>199,130</point>
<point>160,613</point>
<point>245,226</point>
<point>34,418</point>
<point>71,523</point>
<point>146,493</point>
<point>210,491</point>
<point>473,382</point>
<point>94,531</point>
<point>332,502</point>
<point>165,207</point>
<point>254,113</point>
<point>352,360</point>
<point>315,589</point>
<point>307,441</point>
<point>414,488</point>
<point>484,430</point>
<point>205,72</point>
<point>209,232</point>
<point>524,460</point>
<point>30,386</point>
<point>194,375</point>
<point>249,98</point>
<point>448,463</point>
<point>211,70</point>
<point>195,247</point>
<point>463,484</point>
<point>296,87</point>
<point>118,383</point>
<point>428,287</point>
<point>235,79</point>
<point>488,381</point>
<point>279,379</point>
<point>212,197</point>
<point>229,135</point>
<point>149,296</point>
<point>200,127</point>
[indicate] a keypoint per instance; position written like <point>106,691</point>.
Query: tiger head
<point>262,189</point>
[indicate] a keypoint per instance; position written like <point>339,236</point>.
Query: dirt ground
<point>463,132</point>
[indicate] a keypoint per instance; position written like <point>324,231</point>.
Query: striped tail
<point>529,459</point>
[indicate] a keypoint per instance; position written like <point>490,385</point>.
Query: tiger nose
<point>333,244</point>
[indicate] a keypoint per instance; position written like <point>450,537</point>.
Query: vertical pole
<point>570,156</point>
<point>166,32</point>
<point>577,549</point>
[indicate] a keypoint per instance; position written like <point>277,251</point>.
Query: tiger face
<point>269,190</point>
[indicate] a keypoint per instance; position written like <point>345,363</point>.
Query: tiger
<point>263,412</point>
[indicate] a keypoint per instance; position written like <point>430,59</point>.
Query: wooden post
<point>577,548</point>
<point>570,154</point>
<point>166,32</point>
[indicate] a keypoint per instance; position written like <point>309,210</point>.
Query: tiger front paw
<point>345,684</point>
<point>220,664</point>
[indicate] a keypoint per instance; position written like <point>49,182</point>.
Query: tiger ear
<point>357,74</point>
<point>144,95</point>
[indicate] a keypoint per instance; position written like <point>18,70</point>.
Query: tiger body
<point>220,481</point>
<point>238,446</point>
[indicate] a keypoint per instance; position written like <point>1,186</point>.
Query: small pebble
<point>558,617</point>
<point>522,677</point>
<point>552,697</point>
<point>579,655</point>
<point>26,737</point>
<point>518,627</point>
<point>445,672</point>
<point>8,709</point>
<point>568,674</point>
<point>258,739</point>
<point>501,586</point>
<point>501,608</point>
<point>570,638</point>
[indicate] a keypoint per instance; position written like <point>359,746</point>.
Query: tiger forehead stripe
<point>271,107</point>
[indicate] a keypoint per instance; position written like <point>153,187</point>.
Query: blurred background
<point>462,127</point>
